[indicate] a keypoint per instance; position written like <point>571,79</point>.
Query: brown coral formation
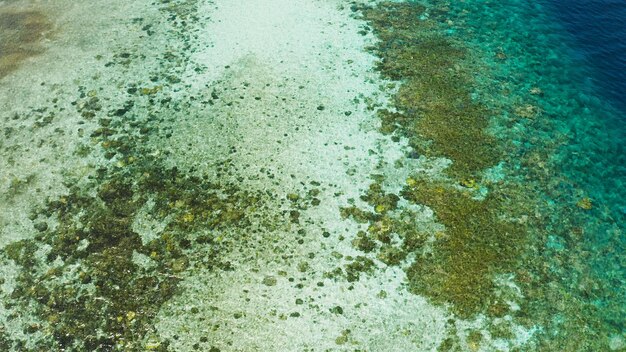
<point>21,33</point>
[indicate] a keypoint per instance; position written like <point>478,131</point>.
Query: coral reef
<point>455,101</point>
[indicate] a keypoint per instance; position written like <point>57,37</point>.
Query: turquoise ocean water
<point>576,52</point>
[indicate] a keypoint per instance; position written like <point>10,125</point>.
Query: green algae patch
<point>435,110</point>
<point>434,104</point>
<point>359,266</point>
<point>81,276</point>
<point>477,244</point>
<point>81,279</point>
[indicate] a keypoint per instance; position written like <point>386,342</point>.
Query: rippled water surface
<point>598,32</point>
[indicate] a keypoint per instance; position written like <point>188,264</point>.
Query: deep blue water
<point>598,31</point>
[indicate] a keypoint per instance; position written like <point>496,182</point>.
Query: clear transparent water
<point>160,192</point>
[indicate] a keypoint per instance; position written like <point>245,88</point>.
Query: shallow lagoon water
<point>201,179</point>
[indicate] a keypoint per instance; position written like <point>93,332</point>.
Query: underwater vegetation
<point>436,112</point>
<point>511,215</point>
<point>94,281</point>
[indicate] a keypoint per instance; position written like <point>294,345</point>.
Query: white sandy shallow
<point>286,73</point>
